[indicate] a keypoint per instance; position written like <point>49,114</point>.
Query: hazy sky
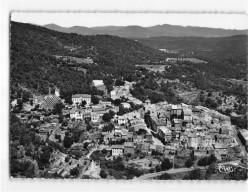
<point>227,21</point>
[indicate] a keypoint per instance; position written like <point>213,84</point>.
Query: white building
<point>77,114</point>
<point>120,91</point>
<point>14,103</point>
<point>57,92</point>
<point>126,105</point>
<point>78,98</point>
<point>193,140</point>
<point>96,116</point>
<point>105,103</point>
<point>164,133</point>
<point>117,150</point>
<point>97,83</point>
<point>121,120</point>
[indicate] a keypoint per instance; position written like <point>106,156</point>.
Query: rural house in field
<point>78,98</point>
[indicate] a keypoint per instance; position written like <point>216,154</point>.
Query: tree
<point>203,161</point>
<point>165,176</point>
<point>106,117</point>
<point>86,145</point>
<point>104,151</point>
<point>210,170</point>
<point>68,142</point>
<point>238,174</point>
<point>119,82</point>
<point>61,118</point>
<point>67,159</point>
<point>211,103</point>
<point>103,174</point>
<point>19,104</point>
<point>25,96</point>
<point>166,164</point>
<point>57,109</point>
<point>206,160</point>
<point>112,113</point>
<point>94,100</point>
<point>152,170</point>
<point>158,168</point>
<point>193,175</point>
<point>228,111</point>
<point>83,103</point>
<point>74,171</point>
<point>119,166</point>
<point>64,123</point>
<point>212,159</point>
<point>189,163</point>
<point>117,102</point>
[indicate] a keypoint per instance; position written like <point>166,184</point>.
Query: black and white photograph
<point>127,96</point>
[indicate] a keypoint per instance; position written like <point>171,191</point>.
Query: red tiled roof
<point>81,95</point>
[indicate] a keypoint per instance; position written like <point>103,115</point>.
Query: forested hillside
<point>34,65</point>
<point>36,62</point>
<point>233,48</point>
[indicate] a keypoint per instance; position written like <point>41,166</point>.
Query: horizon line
<point>245,29</point>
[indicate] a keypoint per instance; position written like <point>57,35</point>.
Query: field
<point>154,68</point>
<point>189,96</point>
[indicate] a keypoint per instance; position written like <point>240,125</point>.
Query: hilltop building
<point>78,98</point>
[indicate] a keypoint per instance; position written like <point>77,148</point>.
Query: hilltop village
<point>118,136</point>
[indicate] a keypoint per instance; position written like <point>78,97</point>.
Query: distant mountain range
<point>153,31</point>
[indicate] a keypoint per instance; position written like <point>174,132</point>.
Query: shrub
<point>206,160</point>
<point>104,151</point>
<point>152,170</point>
<point>193,175</point>
<point>166,164</point>
<point>189,163</point>
<point>165,176</point>
<point>74,171</point>
<point>67,159</point>
<point>103,174</point>
<point>158,168</point>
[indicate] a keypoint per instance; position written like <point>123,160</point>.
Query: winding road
<point>171,171</point>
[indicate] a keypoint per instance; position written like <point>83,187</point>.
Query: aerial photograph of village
<point>127,102</point>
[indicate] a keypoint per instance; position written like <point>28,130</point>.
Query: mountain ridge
<point>133,31</point>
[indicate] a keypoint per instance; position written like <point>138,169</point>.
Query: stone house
<point>176,111</point>
<point>193,140</point>
<point>149,137</point>
<point>164,133</point>
<point>129,148</point>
